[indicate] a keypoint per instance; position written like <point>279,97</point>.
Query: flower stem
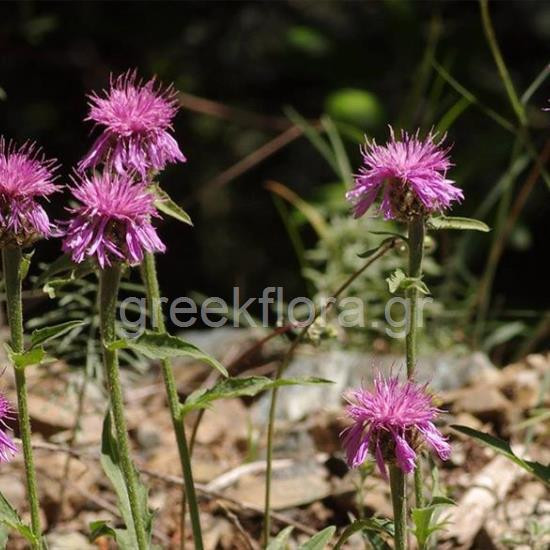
<point>397,485</point>
<point>416,252</point>
<point>150,279</point>
<point>281,369</point>
<point>109,279</point>
<point>12,265</point>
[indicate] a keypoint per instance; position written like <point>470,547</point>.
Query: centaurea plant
<point>26,176</point>
<point>135,118</point>
<point>112,225</point>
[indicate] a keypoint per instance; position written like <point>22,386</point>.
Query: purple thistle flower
<point>391,422</point>
<point>413,171</point>
<point>25,175</point>
<point>113,221</point>
<point>136,118</point>
<point>7,446</point>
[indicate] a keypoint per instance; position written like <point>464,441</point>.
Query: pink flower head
<point>113,221</point>
<point>136,118</point>
<point>413,171</point>
<point>391,422</point>
<point>25,176</point>
<point>7,446</point>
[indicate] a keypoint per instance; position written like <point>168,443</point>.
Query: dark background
<point>260,57</point>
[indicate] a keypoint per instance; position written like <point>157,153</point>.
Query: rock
<point>485,403</point>
<point>147,435</point>
<point>352,369</point>
<point>13,489</point>
<point>226,418</point>
<point>521,385</point>
<point>48,417</point>
<point>299,484</point>
<point>69,541</point>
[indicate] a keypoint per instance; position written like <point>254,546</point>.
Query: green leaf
<point>110,461</point>
<point>239,387</point>
<point>320,540</point>
<point>442,501</point>
<point>10,518</point>
<point>372,525</point>
<point>390,234</point>
<point>399,281</point>
<point>374,250</point>
<point>26,264</point>
<point>62,264</point>
<point>156,345</point>
<point>422,518</point>
<point>281,540</point>
<point>24,359</point>
<point>454,222</point>
<point>503,447</point>
<point>167,206</point>
<point>42,335</point>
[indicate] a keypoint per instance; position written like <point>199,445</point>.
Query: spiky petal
<point>25,176</point>
<point>410,172</point>
<point>136,121</point>
<point>7,446</point>
<point>389,422</point>
<point>112,221</point>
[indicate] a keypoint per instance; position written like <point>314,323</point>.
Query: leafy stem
<point>109,279</point>
<point>13,274</point>
<point>150,279</point>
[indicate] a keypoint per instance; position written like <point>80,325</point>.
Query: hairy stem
<point>399,503</point>
<point>150,279</point>
<point>12,265</point>
<point>416,252</point>
<point>109,279</point>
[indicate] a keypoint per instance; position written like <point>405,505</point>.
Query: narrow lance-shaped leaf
<point>42,335</point>
<point>537,469</point>
<point>156,345</point>
<point>454,222</point>
<point>240,387</point>
<point>10,518</point>
<point>24,359</point>
<point>110,461</point>
<point>374,250</point>
<point>167,206</point>
<point>280,542</point>
<point>370,525</point>
<point>320,540</point>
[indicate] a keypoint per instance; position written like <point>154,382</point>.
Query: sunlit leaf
<point>167,206</point>
<point>503,447</point>
<point>320,540</point>
<point>370,525</point>
<point>240,387</point>
<point>110,461</point>
<point>10,518</point>
<point>280,542</point>
<point>42,335</point>
<point>24,359</point>
<point>156,345</point>
<point>454,222</point>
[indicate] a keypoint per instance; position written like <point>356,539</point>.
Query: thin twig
<point>175,480</point>
<point>254,158</point>
<point>221,110</point>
